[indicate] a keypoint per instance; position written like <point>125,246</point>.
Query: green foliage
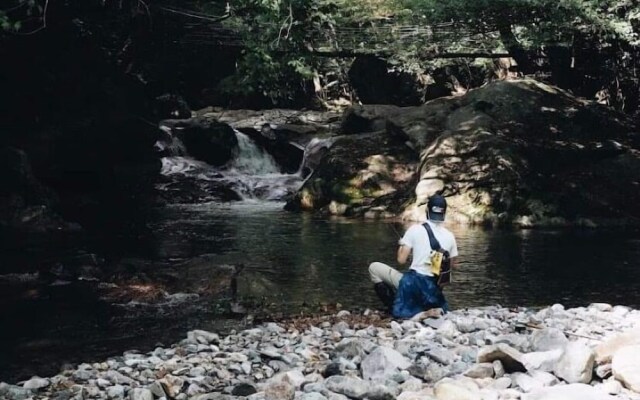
<point>283,40</point>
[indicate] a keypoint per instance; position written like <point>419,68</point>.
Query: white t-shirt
<point>417,238</point>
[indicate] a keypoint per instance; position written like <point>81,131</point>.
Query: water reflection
<point>325,260</point>
<point>308,260</point>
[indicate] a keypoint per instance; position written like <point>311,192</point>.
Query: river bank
<point>479,353</point>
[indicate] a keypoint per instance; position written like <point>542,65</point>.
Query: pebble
<point>467,354</point>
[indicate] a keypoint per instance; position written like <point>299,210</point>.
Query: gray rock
<point>479,371</point>
<point>358,389</point>
<point>279,391</point>
<point>157,389</point>
<point>140,394</point>
<point>548,339</point>
<point>441,355</point>
<point>196,371</point>
<point>243,389</point>
<point>510,358</point>
<point>382,363</point>
<point>350,348</point>
<point>498,369</point>
<point>36,383</point>
<point>313,396</point>
<point>11,392</point>
<point>576,363</point>
<point>115,392</point>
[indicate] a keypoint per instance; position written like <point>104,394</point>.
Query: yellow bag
<point>436,262</point>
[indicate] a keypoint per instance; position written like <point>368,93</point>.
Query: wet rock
<point>626,367</point>
<point>205,139</point>
<point>171,106</point>
<point>576,363</point>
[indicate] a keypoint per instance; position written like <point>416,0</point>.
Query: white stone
<point>542,360</point>
<point>448,329</point>
<point>548,339</point>
<point>36,383</point>
<point>576,363</point>
<point>576,391</point>
<point>448,389</point>
<point>611,386</point>
<point>525,382</point>
<point>626,367</point>
<point>606,350</point>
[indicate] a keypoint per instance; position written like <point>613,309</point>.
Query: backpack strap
<point>435,245</point>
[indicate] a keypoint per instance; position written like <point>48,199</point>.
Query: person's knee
<point>374,272</point>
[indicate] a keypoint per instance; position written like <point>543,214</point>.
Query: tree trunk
<point>525,64</point>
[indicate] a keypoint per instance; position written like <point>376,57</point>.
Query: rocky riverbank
<point>484,353</point>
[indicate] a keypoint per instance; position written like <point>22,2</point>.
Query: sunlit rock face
<point>512,152</point>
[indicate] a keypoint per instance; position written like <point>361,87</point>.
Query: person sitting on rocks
<point>409,294</point>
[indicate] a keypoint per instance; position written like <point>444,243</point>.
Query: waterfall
<point>251,159</point>
<point>253,174</point>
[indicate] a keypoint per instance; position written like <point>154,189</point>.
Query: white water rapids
<point>253,174</point>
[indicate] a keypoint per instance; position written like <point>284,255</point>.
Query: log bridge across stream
<point>446,40</point>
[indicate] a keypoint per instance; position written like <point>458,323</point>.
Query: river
<point>308,261</point>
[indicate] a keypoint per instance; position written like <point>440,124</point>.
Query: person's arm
<point>453,253</point>
<point>406,243</point>
<point>403,254</point>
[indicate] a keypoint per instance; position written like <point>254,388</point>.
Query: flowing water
<point>308,260</point>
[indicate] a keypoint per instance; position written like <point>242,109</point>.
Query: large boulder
<point>205,139</point>
<point>360,173</point>
<point>517,152</point>
<point>576,363</point>
<point>25,203</point>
